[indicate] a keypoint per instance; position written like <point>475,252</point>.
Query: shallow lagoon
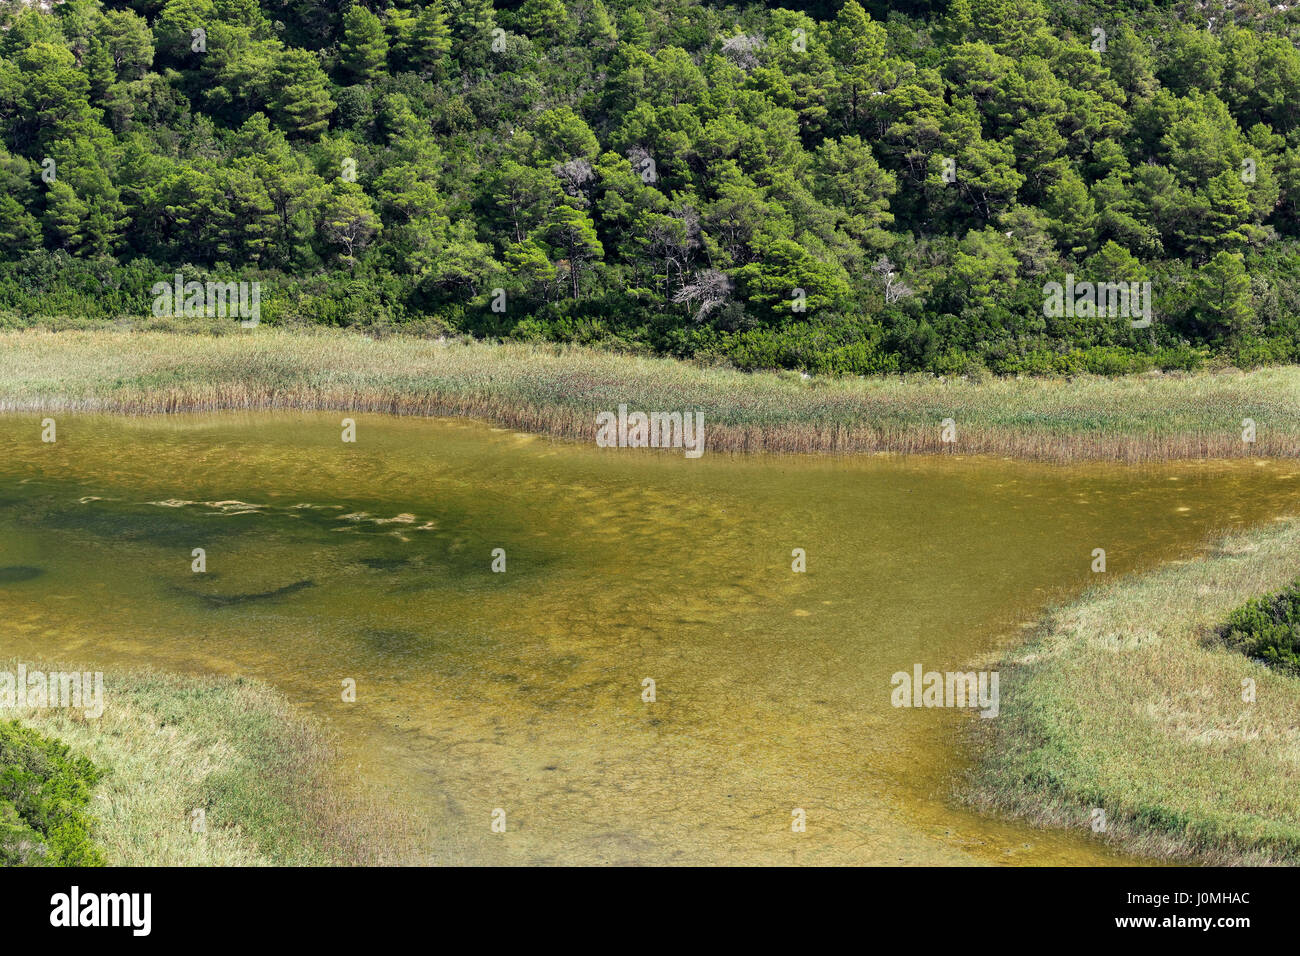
<point>523,690</point>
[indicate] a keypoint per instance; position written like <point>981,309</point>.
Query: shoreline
<point>558,392</point>
<point>1122,701</point>
<point>217,771</point>
<point>1104,707</point>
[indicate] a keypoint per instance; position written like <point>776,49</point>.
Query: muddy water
<point>523,690</point>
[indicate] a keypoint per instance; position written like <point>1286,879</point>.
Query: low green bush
<point>1268,629</point>
<point>44,792</point>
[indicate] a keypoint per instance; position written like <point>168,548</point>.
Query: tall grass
<point>265,778</point>
<point>558,391</point>
<point>1127,701</point>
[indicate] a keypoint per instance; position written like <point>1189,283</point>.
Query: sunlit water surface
<point>523,690</point>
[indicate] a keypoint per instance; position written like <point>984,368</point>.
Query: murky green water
<point>523,690</point>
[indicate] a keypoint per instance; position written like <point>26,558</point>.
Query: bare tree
<point>742,49</point>
<point>894,288</point>
<point>575,175</point>
<point>673,238</point>
<point>709,289</point>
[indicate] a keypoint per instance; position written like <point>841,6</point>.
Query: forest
<point>840,188</point>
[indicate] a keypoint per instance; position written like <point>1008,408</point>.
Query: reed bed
<point>558,391</point>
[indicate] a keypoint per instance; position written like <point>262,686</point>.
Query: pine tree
<point>65,215</point>
<point>300,99</point>
<point>431,38</point>
<point>1223,298</point>
<point>571,231</point>
<point>19,231</point>
<point>364,46</point>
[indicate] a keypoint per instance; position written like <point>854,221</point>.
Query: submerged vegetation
<point>559,391</point>
<point>44,793</point>
<point>1128,703</point>
<point>189,771</point>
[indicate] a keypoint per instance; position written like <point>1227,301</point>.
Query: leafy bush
<point>44,791</point>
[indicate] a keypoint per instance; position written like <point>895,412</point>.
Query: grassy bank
<point>265,778</point>
<point>558,391</point>
<point>1127,700</point>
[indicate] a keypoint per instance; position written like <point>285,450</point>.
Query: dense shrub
<point>1268,629</point>
<point>44,791</point>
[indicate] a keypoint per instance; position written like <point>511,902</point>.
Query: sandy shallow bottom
<point>523,691</point>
